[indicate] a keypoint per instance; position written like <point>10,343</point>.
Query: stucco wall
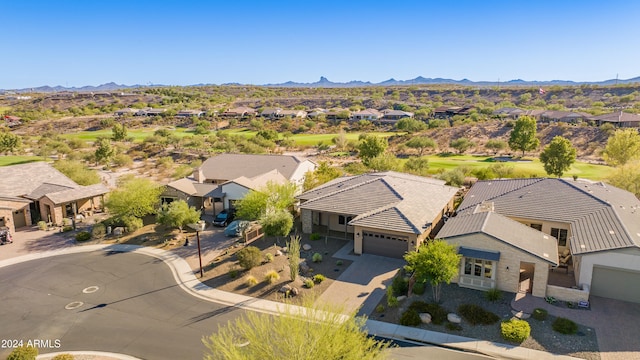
<point>623,258</point>
<point>298,176</point>
<point>233,192</point>
<point>508,267</point>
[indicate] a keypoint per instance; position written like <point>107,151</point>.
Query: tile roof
<point>502,229</point>
<point>22,179</point>
<point>191,187</point>
<point>233,166</point>
<point>82,192</point>
<point>387,200</point>
<point>602,217</point>
<point>617,117</point>
<point>44,189</point>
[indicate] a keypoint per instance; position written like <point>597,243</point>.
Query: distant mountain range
<point>326,83</point>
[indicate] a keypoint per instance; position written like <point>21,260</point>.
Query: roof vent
<point>612,232</point>
<point>484,207</point>
<point>582,246</point>
<point>545,255</point>
<point>545,237</point>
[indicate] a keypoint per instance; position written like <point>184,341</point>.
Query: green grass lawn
<point>15,159</point>
<point>523,169</point>
<point>137,134</point>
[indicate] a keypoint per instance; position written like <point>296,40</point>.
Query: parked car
<point>224,217</point>
<point>5,235</point>
<point>235,227</point>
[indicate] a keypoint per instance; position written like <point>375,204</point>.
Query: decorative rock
<point>304,267</point>
<point>454,318</point>
<point>285,289</point>
<point>118,231</point>
<point>425,318</point>
<point>306,247</point>
<point>294,291</point>
<point>278,253</point>
<point>401,297</point>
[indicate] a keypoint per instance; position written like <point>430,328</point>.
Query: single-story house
<point>387,213</point>
<point>596,228</point>
<point>126,111</point>
<point>271,113</point>
<point>36,191</point>
<point>239,112</point>
<point>190,113</point>
<point>226,178</point>
<point>395,115</point>
<point>570,117</point>
<point>367,114</point>
<point>293,113</point>
<point>619,119</point>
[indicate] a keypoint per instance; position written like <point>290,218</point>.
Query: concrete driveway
<point>363,284</point>
<point>32,240</point>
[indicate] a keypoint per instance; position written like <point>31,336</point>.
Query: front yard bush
<point>308,283</point>
<point>98,231</point>
<point>539,314</point>
<point>271,276</point>
<point>317,257</point>
<point>63,357</point>
<point>314,237</point>
<point>493,295</point>
<point>564,326</point>
<point>400,285</point>
<point>42,225</point>
<point>410,318</point>
<point>476,315</point>
<point>318,278</point>
<point>23,353</point>
<point>250,280</point>
<point>249,257</point>
<point>418,288</point>
<point>268,257</point>
<point>438,313</point>
<point>515,330</point>
<point>132,223</point>
<point>392,301</point>
<point>83,236</point>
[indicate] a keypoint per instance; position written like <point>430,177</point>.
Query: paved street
<point>130,304</point>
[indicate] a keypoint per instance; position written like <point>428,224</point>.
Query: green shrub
<point>539,314</point>
<point>453,327</point>
<point>250,280</point>
<point>515,330</point>
<point>67,229</point>
<point>418,288</point>
<point>314,237</point>
<point>339,263</point>
<point>271,276</point>
<point>233,272</point>
<point>23,353</point>
<point>380,308</point>
<point>308,283</point>
<point>318,278</point>
<point>83,236</point>
<point>67,222</point>
<point>132,223</point>
<point>268,257</point>
<point>98,231</point>
<point>42,225</point>
<point>438,313</point>
<point>392,301</point>
<point>249,257</point>
<point>410,318</point>
<point>63,357</point>
<point>400,286</point>
<point>564,326</point>
<point>493,295</point>
<point>476,315</point>
<point>316,258</point>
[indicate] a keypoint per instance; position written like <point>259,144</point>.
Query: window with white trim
<point>478,267</point>
<point>561,235</point>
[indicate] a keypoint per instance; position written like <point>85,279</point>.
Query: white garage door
<point>384,244</point>
<point>616,283</point>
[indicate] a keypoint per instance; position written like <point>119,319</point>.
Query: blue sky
<point>76,43</point>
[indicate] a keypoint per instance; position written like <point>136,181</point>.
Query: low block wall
<point>567,294</point>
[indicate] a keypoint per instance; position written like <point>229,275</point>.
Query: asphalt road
<point>120,302</point>
<point>137,308</point>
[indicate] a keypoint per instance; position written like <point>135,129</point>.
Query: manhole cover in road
<point>90,289</point>
<point>74,305</point>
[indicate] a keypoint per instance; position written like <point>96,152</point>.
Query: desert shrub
<point>23,353</point>
<point>268,257</point>
<point>83,236</point>
<point>339,263</point>
<point>453,327</point>
<point>271,276</point>
<point>392,301</point>
<point>233,272</point>
<point>475,315</point>
<point>250,280</point>
<point>316,257</point>
<point>67,222</point>
<point>63,357</point>
<point>98,231</point>
<point>380,308</point>
<point>67,229</point>
<point>314,237</point>
<point>438,313</point>
<point>418,288</point>
<point>410,318</point>
<point>515,330</point>
<point>493,295</point>
<point>539,314</point>
<point>400,286</point>
<point>132,223</point>
<point>42,225</point>
<point>318,278</point>
<point>564,326</point>
<point>308,283</point>
<point>249,257</point>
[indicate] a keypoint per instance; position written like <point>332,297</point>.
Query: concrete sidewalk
<point>187,280</point>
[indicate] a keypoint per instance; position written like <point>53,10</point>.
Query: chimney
<point>198,175</point>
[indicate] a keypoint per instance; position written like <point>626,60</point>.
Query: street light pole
<point>199,253</point>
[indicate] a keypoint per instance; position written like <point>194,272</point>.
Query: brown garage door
<point>384,244</point>
<point>616,283</point>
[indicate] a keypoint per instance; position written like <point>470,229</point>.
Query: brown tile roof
<point>83,192</point>
<point>22,179</point>
<point>232,166</point>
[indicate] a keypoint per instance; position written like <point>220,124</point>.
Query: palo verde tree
<point>627,177</point>
<point>371,146</point>
<point>119,132</point>
<point>322,174</point>
<point>495,145</point>
<point>434,261</point>
<point>257,203</point>
<point>421,143</point>
<point>134,198</point>
<point>558,156</point>
<point>461,144</point>
<point>622,146</point>
<point>523,136</point>
<point>104,151</point>
<point>9,142</point>
<point>178,214</point>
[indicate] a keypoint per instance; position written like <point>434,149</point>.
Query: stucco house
<point>385,213</point>
<point>367,114</point>
<point>507,226</point>
<point>226,178</point>
<point>619,119</point>
<point>37,191</point>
